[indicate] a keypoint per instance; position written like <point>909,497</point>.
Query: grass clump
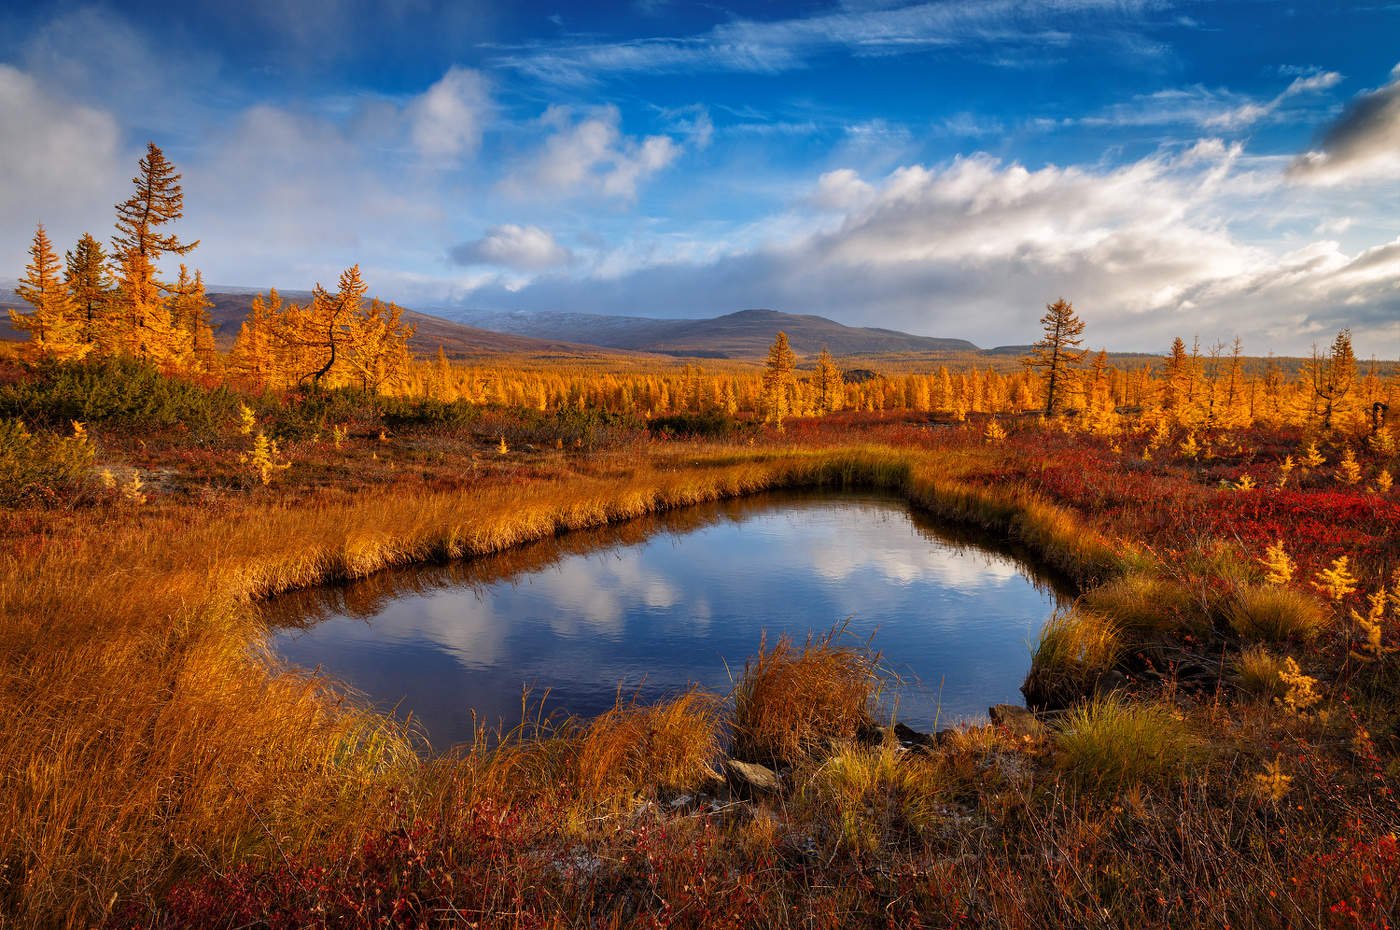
<point>669,746</point>
<point>1273,614</point>
<point>1259,671</point>
<point>791,702</point>
<point>1108,744</point>
<point>1075,648</point>
<point>874,794</point>
<point>1144,603</point>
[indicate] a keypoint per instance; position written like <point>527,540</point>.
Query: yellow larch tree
<point>143,323</point>
<point>54,325</point>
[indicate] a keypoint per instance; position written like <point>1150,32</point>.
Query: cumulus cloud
<point>445,122</point>
<point>975,247</point>
<point>523,248</point>
<point>1363,144</point>
<point>590,154</point>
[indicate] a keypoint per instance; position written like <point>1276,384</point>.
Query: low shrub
<point>1108,744</point>
<point>1274,614</point>
<point>790,702</point>
<point>714,424</point>
<point>41,465</point>
<point>119,392</point>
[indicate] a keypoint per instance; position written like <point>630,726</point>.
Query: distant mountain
<point>745,334</point>
<point>457,340</point>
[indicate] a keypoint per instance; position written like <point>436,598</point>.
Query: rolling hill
<point>742,335</point>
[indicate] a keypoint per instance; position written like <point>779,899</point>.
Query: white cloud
<point>1362,145</point>
<point>771,46</point>
<point>590,154</point>
<point>445,122</point>
<point>975,247</point>
<point>63,163</point>
<point>524,248</point>
<point>842,189</point>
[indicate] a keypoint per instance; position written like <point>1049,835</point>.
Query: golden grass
<point>157,738</point>
<point>1146,604</point>
<point>791,702</point>
<point>1108,744</point>
<point>1259,671</point>
<point>875,793</point>
<point>1274,614</point>
<point>1075,648</point>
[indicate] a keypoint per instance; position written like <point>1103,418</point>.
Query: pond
<point>647,608</point>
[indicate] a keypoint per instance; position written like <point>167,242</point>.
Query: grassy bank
<point>163,771</point>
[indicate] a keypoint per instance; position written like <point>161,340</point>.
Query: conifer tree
<point>54,326</point>
<point>157,200</point>
<point>1332,376</point>
<point>1057,352</point>
<point>827,381</point>
<point>189,314</point>
<point>778,380</point>
<point>89,286</point>
<point>378,347</point>
<point>143,322</point>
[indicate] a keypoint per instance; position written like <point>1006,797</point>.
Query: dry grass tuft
<point>791,703</point>
<point>1075,648</point>
<point>1273,614</point>
<point>670,746</point>
<point>876,794</point>
<point>1108,744</point>
<point>1259,673</point>
<point>1143,603</point>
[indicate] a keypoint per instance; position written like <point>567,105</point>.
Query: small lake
<point>654,605</point>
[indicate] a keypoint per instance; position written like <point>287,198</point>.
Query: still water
<point>650,607</point>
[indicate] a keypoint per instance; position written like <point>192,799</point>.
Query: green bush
<point>38,466</point>
<point>117,392</point>
<point>714,424</point>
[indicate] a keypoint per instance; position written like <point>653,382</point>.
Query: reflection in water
<point>653,605</point>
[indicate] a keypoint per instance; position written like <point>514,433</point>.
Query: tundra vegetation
<point>1215,741</point>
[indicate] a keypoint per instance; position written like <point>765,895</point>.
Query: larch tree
<point>827,381</point>
<point>144,324</point>
<point>378,349</point>
<point>189,313</point>
<point>54,326</point>
<point>779,377</point>
<point>1057,352</point>
<point>89,285</point>
<point>329,328</point>
<point>1332,376</point>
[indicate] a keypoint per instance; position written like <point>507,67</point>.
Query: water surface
<point>657,604</point>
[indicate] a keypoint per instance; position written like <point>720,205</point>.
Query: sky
<point>1197,169</point>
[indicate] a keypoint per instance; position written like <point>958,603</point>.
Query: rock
<point>908,736</point>
<point>1110,681</point>
<point>1017,719</point>
<point>750,777</point>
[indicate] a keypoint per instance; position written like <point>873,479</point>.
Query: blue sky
<point>1205,169</point>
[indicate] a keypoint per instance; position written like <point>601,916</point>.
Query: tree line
<point>101,303</point>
